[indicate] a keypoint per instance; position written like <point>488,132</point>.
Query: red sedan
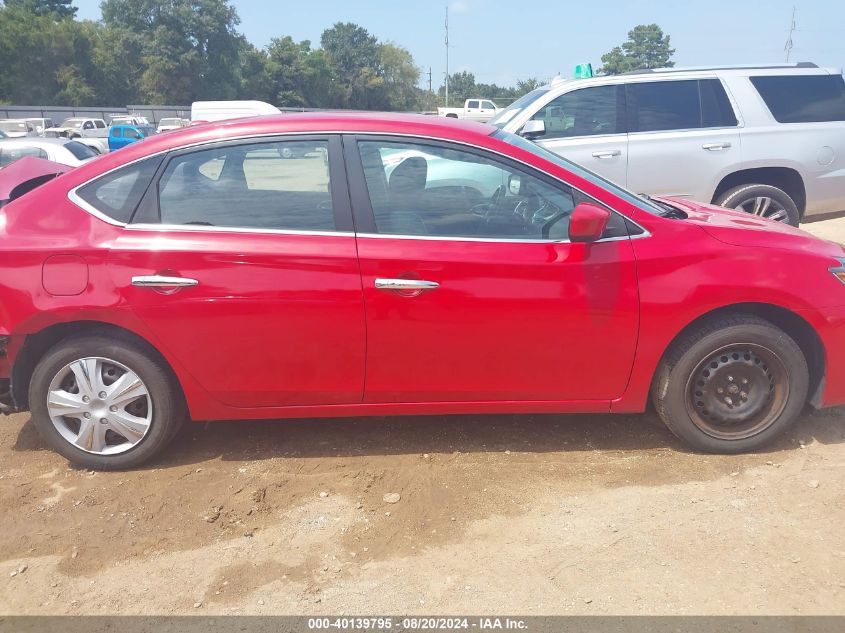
<point>349,264</point>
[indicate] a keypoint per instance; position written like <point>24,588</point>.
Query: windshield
<point>586,174</point>
<point>82,152</point>
<point>169,122</point>
<point>13,126</point>
<point>517,106</point>
<point>73,123</point>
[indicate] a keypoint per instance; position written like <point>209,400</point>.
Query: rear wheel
<point>762,200</point>
<point>731,385</point>
<point>104,403</point>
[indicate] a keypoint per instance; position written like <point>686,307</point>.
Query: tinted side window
<point>283,185</point>
<point>803,99</point>
<point>428,190</point>
<point>663,105</point>
<point>716,109</point>
<point>583,112</point>
<point>79,150</point>
<point>100,124</point>
<point>472,104</point>
<point>117,194</point>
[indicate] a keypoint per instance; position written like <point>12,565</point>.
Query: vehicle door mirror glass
<point>533,129</point>
<point>588,222</point>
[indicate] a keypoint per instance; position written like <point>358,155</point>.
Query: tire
<point>731,385</point>
<point>287,152</point>
<point>763,200</point>
<point>154,416</point>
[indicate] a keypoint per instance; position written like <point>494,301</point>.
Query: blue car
<point>123,135</point>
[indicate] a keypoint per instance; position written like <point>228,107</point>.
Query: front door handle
<point>406,284</point>
<point>162,281</point>
<point>715,147</point>
<point>607,153</point>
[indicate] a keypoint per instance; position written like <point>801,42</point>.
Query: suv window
<point>117,194</point>
<point>803,98</point>
<point>678,105</point>
<point>277,185</point>
<point>583,112</point>
<point>431,190</point>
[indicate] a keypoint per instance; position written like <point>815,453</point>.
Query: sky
<point>501,41</point>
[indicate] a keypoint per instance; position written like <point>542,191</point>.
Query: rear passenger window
<point>117,194</point>
<point>282,186</point>
<point>663,105</point>
<point>803,98</point>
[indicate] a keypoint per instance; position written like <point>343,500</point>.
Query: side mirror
<point>588,222</point>
<point>533,128</point>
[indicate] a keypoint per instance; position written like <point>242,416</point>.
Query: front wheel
<point>762,200</point>
<point>731,385</point>
<point>104,403</point>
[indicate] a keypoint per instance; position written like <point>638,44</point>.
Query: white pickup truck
<point>474,110</point>
<point>91,132</point>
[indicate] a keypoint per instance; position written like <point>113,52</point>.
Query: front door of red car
<point>243,264</point>
<point>472,289</point>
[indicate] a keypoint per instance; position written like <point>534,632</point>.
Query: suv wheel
<point>731,385</point>
<point>104,403</point>
<point>763,200</point>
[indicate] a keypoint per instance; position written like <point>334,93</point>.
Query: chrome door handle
<point>162,281</point>
<point>607,153</point>
<point>406,284</point>
<point>715,147</point>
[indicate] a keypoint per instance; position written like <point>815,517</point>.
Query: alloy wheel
<point>100,406</point>
<point>764,207</point>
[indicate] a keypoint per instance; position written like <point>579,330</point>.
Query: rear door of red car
<point>473,291</point>
<point>243,264</point>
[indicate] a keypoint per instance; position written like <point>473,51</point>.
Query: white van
<point>208,111</point>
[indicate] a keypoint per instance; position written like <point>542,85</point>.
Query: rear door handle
<point>607,153</point>
<point>162,281</point>
<point>715,147</point>
<point>406,284</point>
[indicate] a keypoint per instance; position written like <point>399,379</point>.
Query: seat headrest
<point>409,176</point>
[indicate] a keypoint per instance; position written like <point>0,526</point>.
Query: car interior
<point>439,192</point>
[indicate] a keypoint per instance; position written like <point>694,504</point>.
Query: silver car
<point>58,150</point>
<point>769,140</point>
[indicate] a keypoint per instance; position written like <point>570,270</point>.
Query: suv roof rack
<point>682,69</point>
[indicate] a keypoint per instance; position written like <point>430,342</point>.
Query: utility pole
<point>788,46</point>
<point>447,56</point>
<point>429,79</point>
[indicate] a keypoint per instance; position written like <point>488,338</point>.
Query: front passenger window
<point>437,191</point>
<point>583,112</point>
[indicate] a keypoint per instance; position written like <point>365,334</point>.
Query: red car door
<point>472,289</point>
<point>241,259</point>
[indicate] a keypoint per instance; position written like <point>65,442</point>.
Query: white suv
<point>769,140</point>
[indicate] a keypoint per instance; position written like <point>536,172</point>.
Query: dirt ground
<point>506,514</point>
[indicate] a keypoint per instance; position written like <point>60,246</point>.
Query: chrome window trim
<point>225,229</point>
<point>74,197</point>
<point>502,240</point>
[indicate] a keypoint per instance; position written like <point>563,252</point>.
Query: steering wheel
<point>487,210</point>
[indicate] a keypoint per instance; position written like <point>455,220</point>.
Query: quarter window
<point>117,194</point>
<point>276,186</point>
<point>582,112</point>
<point>432,190</point>
<point>803,98</point>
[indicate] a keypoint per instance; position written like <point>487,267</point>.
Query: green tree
<point>646,47</point>
<point>401,76</point>
<point>353,55</point>
<point>461,87</point>
<point>189,49</point>
<point>60,8</point>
